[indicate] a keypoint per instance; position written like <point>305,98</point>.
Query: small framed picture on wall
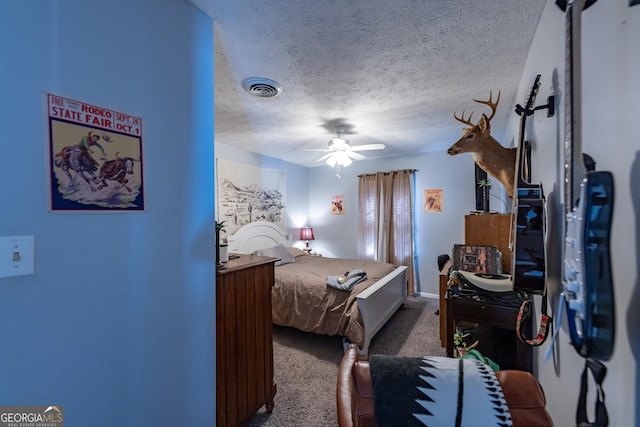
<point>337,205</point>
<point>433,200</point>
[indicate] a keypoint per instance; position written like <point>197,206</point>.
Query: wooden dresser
<point>244,346</point>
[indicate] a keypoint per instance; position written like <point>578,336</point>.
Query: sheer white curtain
<point>385,219</point>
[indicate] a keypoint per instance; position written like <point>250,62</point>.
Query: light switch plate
<point>17,257</point>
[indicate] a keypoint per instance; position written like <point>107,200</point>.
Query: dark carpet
<point>306,364</point>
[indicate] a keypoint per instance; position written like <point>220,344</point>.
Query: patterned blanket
<point>436,391</point>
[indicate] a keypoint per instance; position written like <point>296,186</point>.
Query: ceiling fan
<point>340,151</point>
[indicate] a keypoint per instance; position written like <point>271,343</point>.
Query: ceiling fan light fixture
<point>338,143</point>
<point>341,154</point>
<point>343,159</point>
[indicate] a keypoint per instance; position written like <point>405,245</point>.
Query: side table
<point>495,321</point>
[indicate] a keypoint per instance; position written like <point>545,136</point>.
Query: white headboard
<point>256,235</point>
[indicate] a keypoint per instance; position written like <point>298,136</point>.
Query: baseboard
<point>427,295</point>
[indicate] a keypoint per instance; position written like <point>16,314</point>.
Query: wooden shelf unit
<point>490,230</point>
<point>482,230</point>
<point>500,321</point>
<point>443,278</point>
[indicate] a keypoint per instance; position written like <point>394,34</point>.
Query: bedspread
<point>301,298</point>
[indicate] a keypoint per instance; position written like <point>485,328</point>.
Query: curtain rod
<point>387,173</point>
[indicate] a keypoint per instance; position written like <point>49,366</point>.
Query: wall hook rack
<point>550,106</point>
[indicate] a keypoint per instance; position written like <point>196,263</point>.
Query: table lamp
<point>306,233</point>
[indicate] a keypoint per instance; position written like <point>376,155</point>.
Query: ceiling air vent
<point>261,87</point>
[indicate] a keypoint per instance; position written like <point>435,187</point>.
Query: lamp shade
<point>306,233</point>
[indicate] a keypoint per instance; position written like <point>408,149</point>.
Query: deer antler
<point>490,103</point>
<point>463,120</point>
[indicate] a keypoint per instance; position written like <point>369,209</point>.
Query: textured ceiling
<point>388,71</point>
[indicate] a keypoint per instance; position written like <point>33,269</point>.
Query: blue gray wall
<point>117,323</point>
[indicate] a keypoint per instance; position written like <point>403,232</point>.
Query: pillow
<point>277,252</point>
<point>295,251</point>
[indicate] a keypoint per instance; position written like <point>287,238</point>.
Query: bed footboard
<point>378,303</point>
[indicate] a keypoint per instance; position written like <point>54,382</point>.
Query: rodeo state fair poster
<point>95,155</point>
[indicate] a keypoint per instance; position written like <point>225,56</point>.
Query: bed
<point>301,298</point>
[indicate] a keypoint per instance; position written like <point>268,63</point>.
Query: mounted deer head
<point>493,158</point>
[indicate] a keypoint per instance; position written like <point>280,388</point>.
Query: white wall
<point>610,89</point>
<point>117,323</point>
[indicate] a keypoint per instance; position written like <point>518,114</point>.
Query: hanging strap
<point>523,316</point>
<point>598,370</point>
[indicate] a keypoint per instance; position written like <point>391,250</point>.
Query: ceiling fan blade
<point>325,157</point>
<point>367,147</point>
<point>326,150</point>
<point>354,156</point>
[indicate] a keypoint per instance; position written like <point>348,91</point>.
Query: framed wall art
<point>248,193</point>
<point>433,200</point>
<point>95,157</point>
<point>337,204</point>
